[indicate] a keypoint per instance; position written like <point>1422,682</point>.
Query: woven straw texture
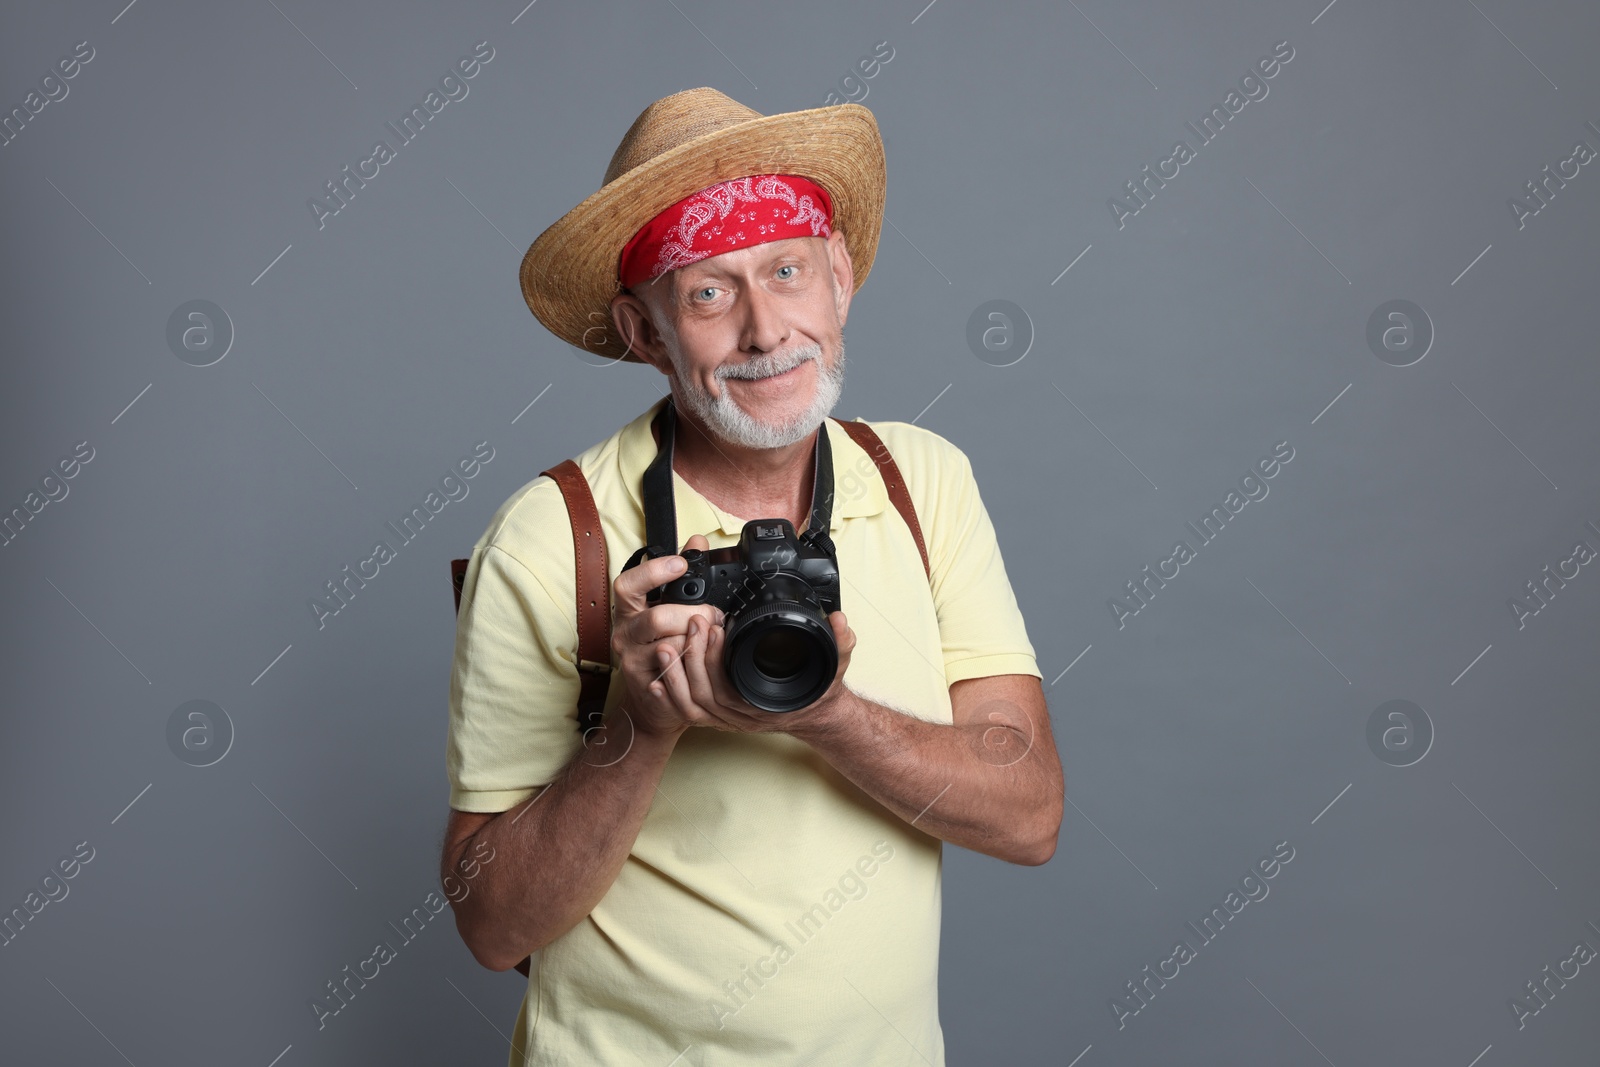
<point>677,146</point>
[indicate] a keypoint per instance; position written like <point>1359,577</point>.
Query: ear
<point>638,331</point>
<point>843,270</point>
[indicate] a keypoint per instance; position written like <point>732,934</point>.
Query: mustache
<point>770,365</point>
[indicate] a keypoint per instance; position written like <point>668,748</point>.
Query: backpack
<point>594,594</point>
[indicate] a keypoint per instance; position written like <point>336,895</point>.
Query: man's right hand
<point>648,640</point>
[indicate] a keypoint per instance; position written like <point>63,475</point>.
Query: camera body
<point>775,591</point>
<point>728,577</point>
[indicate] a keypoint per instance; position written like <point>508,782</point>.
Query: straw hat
<point>677,146</point>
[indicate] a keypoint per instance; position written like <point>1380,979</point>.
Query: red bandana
<point>729,215</point>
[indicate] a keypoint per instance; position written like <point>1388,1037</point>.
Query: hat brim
<point>569,274</point>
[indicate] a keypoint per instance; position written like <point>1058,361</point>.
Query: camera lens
<point>780,654</point>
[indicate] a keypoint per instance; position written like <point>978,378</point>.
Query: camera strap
<point>660,505</point>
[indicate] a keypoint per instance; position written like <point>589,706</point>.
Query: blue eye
<point>787,266</point>
<point>707,289</point>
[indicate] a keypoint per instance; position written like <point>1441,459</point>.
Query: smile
<point>775,379</point>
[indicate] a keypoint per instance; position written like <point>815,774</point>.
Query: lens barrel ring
<point>781,654</point>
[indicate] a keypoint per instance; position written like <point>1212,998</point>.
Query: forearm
<point>556,854</point>
<point>980,786</point>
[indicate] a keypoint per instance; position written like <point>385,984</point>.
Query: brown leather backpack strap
<point>873,445</point>
<point>593,592</point>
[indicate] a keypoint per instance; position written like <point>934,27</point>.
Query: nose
<point>765,327</point>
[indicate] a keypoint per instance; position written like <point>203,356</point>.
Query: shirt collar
<point>857,488</point>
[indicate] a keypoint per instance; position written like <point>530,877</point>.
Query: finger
<point>722,688</point>
<point>661,696</point>
<point>631,585</point>
<point>662,621</point>
<point>673,647</point>
<point>634,583</point>
<point>662,657</point>
<point>709,612</point>
<point>843,636</point>
<point>663,654</point>
<point>696,652</point>
<point>653,692</point>
<point>677,689</point>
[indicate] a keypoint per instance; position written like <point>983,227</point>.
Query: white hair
<point>724,417</point>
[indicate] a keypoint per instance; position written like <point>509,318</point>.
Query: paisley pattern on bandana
<point>732,214</point>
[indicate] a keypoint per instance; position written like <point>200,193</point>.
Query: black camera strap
<point>660,506</point>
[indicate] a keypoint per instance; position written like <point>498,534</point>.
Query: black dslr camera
<point>775,591</point>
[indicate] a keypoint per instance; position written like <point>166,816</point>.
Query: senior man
<point>706,882</point>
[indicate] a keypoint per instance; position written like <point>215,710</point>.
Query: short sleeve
<point>513,684</point>
<point>980,625</point>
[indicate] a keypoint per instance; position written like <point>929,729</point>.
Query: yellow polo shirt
<point>770,911</point>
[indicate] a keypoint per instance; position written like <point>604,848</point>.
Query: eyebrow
<point>698,270</point>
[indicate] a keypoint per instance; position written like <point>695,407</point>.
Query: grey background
<point>1226,316</point>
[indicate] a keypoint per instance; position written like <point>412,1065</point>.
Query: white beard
<point>724,417</point>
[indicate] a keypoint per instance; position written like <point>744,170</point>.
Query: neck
<point>751,483</point>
